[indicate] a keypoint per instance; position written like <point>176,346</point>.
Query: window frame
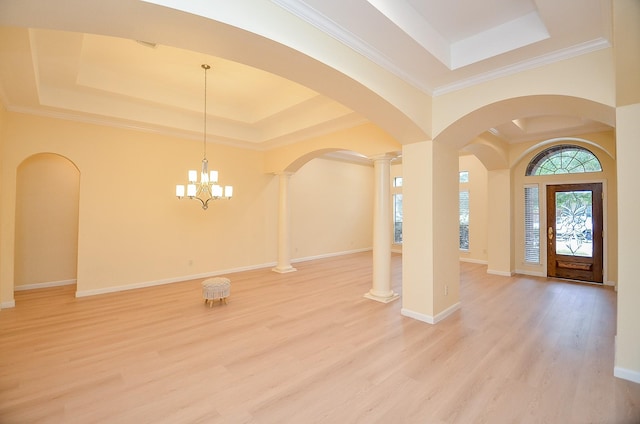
<point>561,159</point>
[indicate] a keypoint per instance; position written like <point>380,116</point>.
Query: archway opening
<point>46,231</point>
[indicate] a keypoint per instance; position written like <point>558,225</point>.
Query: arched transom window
<point>563,159</point>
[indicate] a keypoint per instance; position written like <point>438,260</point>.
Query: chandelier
<point>207,188</point>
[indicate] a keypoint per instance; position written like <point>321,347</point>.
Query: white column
<point>284,239</point>
<point>381,290</point>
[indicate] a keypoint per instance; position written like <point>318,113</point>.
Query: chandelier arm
<point>204,204</point>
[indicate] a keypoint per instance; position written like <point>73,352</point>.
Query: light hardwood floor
<point>306,347</point>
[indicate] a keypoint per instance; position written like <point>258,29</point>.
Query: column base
<point>283,270</point>
<point>383,299</point>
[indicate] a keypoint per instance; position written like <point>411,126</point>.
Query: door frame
<point>605,227</point>
<point>577,270</point>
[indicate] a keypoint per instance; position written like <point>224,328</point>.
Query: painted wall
<point>478,209</point>
<point>627,43</point>
<point>6,243</point>
<point>603,146</point>
<point>331,206</point>
<point>628,337</point>
<point>430,264</point>
<point>46,247</point>
<point>132,231</point>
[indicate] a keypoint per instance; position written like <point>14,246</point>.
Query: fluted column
<point>381,286</point>
<point>284,238</point>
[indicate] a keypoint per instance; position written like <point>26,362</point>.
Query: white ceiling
<point>67,62</point>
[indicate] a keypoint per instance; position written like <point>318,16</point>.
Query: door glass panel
<point>573,223</point>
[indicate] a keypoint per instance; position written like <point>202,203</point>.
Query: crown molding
<point>329,27</point>
<point>559,55</point>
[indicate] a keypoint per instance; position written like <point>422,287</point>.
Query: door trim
<point>578,263</point>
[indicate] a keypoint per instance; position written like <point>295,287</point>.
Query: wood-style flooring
<point>307,347</point>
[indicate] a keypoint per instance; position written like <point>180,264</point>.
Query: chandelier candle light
<point>207,189</point>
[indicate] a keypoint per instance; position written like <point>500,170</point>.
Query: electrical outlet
<point>446,290</point>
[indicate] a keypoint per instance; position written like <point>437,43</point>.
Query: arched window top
<point>563,159</point>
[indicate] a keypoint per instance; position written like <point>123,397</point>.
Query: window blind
<point>531,225</point>
<point>397,218</point>
<point>464,220</point>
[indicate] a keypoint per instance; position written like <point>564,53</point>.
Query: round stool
<point>216,288</point>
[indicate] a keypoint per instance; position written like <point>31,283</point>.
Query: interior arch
<point>46,242</point>
<point>463,131</point>
<point>367,139</point>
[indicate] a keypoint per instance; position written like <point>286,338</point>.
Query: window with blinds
<point>464,220</point>
<point>531,225</point>
<point>397,218</point>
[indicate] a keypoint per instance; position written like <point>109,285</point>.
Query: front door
<point>574,231</point>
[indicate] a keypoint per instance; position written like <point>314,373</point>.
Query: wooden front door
<point>574,231</point>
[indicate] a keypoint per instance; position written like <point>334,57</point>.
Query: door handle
<point>550,232</point>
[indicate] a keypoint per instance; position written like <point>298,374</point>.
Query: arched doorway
<point>566,191</point>
<point>46,231</point>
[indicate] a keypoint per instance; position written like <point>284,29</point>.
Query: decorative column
<point>381,287</point>
<point>284,239</point>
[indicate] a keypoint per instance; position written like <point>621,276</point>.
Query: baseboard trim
<point>625,374</point>
<point>134,286</point>
<point>44,285</point>
<point>500,273</point>
<point>417,316</point>
<point>474,261</point>
<point>531,273</point>
<point>8,304</point>
<point>331,255</point>
<point>428,318</point>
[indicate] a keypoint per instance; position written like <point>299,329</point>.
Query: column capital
<point>387,157</point>
<point>284,173</point>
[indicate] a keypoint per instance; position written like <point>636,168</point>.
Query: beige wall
<point>627,48</point>
<point>331,207</point>
<point>46,244</point>
<point>478,208</point>
<point>6,242</point>
<point>603,146</point>
<point>627,42</point>
<point>132,231</point>
<point>628,340</point>
<point>430,265</point>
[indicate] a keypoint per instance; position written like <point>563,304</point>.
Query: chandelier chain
<point>204,137</point>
